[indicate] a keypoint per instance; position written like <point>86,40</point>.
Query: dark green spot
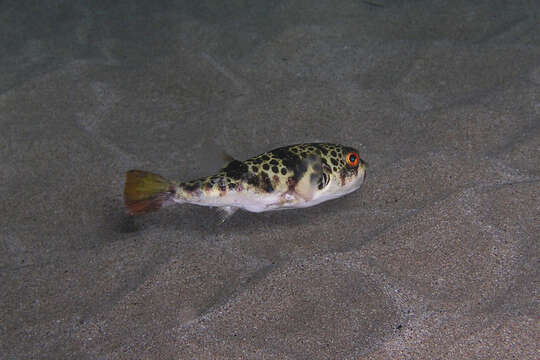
<point>222,185</point>
<point>292,162</point>
<point>235,169</point>
<point>253,180</point>
<point>266,183</point>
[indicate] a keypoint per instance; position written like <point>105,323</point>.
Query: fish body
<point>295,176</point>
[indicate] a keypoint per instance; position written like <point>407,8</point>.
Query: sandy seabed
<point>436,257</point>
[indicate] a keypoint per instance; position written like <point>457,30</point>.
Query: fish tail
<point>145,192</point>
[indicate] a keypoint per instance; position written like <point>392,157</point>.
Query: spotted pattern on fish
<point>299,175</point>
<point>268,171</point>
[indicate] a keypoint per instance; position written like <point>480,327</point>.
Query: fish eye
<point>352,159</point>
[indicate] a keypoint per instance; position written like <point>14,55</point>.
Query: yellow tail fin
<point>145,192</point>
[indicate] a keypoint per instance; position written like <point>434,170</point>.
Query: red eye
<point>352,159</point>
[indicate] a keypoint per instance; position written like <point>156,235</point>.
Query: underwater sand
<point>435,257</point>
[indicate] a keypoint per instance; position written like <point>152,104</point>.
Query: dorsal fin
<point>227,160</point>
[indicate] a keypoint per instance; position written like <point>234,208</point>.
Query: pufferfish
<point>289,177</point>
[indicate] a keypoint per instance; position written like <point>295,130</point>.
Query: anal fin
<point>225,212</point>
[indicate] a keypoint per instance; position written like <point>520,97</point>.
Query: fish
<point>289,177</point>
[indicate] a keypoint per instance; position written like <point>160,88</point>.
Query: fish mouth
<point>359,180</point>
